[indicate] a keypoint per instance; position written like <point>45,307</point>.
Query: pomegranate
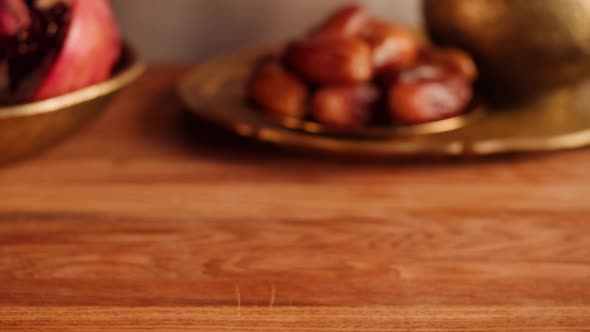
<point>51,47</point>
<point>14,16</point>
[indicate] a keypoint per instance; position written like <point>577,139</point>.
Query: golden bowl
<point>30,128</point>
<point>523,47</point>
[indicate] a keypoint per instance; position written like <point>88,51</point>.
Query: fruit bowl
<point>30,128</point>
<point>329,93</point>
<point>355,74</point>
<point>559,120</point>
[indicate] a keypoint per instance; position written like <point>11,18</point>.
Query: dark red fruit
<point>14,16</point>
<point>350,21</point>
<point>344,107</point>
<point>90,51</point>
<point>277,91</point>
<point>57,46</point>
<point>394,48</point>
<point>454,58</point>
<point>429,93</point>
<point>331,60</point>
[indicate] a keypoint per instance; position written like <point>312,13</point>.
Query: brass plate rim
<point>127,75</point>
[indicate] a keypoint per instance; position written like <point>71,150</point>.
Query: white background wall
<point>188,30</point>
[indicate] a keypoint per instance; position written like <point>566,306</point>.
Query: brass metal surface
<point>522,46</point>
<point>30,128</point>
<point>554,121</point>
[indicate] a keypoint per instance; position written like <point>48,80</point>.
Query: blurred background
<point>188,30</point>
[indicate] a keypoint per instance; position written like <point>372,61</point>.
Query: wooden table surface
<point>147,220</point>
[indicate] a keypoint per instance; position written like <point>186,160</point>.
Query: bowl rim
<point>131,70</point>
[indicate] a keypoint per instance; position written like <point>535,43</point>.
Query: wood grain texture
<point>379,318</point>
<point>151,220</point>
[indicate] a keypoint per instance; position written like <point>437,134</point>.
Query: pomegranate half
<point>83,50</point>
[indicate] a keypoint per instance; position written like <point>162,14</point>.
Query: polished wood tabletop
<point>151,220</point>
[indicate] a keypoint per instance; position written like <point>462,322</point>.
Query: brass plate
<point>30,128</point>
<point>555,121</point>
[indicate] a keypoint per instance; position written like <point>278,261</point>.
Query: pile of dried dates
<point>355,71</point>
